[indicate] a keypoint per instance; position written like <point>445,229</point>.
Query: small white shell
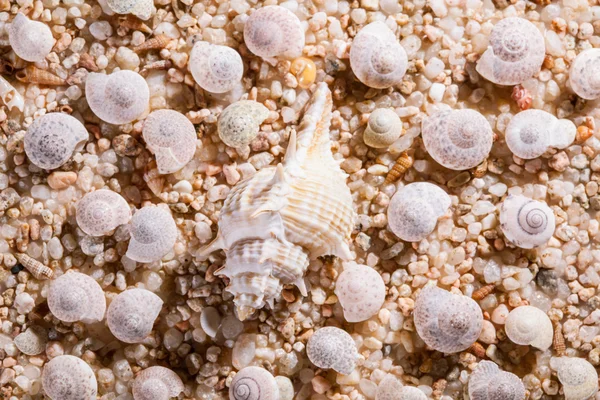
<point>101,211</point>
<point>528,325</point>
<point>488,382</point>
<point>414,210</point>
<point>274,31</point>
<point>526,223</point>
<point>153,234</point>
<point>33,341</point>
<point>172,139</point>
<point>239,123</point>
<point>390,388</point>
<point>457,139</point>
<point>376,57</point>
<point>584,75</point>
<point>132,313</point>
<point>515,53</point>
<point>447,322</point>
<point>156,383</point>
<point>253,383</point>
<point>52,138</point>
<point>286,388</point>
<point>383,129</point>
<point>118,98</point>
<point>578,377</point>
<point>69,378</point>
<point>140,8</point>
<point>332,348</point>
<point>30,40</point>
<point>215,68</point>
<point>76,297</point>
<point>360,291</point>
<point>210,321</point>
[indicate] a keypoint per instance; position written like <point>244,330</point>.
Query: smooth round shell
<point>239,123</point>
<point>253,383</point>
<point>215,68</point>
<point>30,40</point>
<point>69,378</point>
<point>526,223</point>
<point>156,383</point>
<point>332,348</point>
<point>488,382</point>
<point>33,341</point>
<point>140,8</point>
<point>584,75</point>
<point>101,211</point>
<point>383,129</point>
<point>132,313</point>
<point>579,378</point>
<point>390,388</point>
<point>153,235</point>
<point>360,291</point>
<point>528,325</point>
<point>286,388</point>
<point>76,297</point>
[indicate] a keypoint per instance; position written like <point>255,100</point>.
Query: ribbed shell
<point>383,129</point>
<point>76,297</point>
<point>488,382</point>
<point>33,341</point>
<point>526,223</point>
<point>254,383</point>
<point>69,378</point>
<point>153,235</point>
<point>215,68</point>
<point>101,211</point>
<point>584,75</point>
<point>132,313</point>
<point>332,348</point>
<point>30,40</point>
<point>579,378</point>
<point>528,325</point>
<point>360,290</point>
<point>157,383</point>
<point>239,123</point>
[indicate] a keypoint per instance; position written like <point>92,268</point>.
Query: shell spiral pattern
<point>101,211</point>
<point>240,122</point>
<point>578,377</point>
<point>331,347</point>
<point>584,75</point>
<point>30,40</point>
<point>69,378</point>
<point>216,68</point>
<point>76,297</point>
<point>253,383</point>
<point>157,383</point>
<point>488,382</point>
<point>360,290</point>
<point>153,234</point>
<point>528,325</point>
<point>526,223</point>
<point>383,129</point>
<point>132,313</point>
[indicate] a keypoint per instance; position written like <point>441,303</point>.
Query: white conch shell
<point>528,325</point>
<point>76,297</point>
<point>488,382</point>
<point>52,138</point>
<point>101,211</point>
<point>153,234</point>
<point>272,223</point>
<point>360,290</point>
<point>578,377</point>
<point>215,68</point>
<point>10,96</point>
<point>157,383</point>
<point>526,223</point>
<point>332,348</point>
<point>69,378</point>
<point>516,52</point>
<point>172,139</point>
<point>30,40</point>
<point>32,341</point>
<point>383,129</point>
<point>584,75</point>
<point>377,58</point>
<point>132,313</point>
<point>390,388</point>
<point>142,9</point>
<point>239,123</point>
<point>457,139</point>
<point>253,383</point>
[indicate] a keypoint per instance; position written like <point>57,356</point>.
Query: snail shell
<point>132,313</point>
<point>215,68</point>
<point>153,234</point>
<point>30,40</point>
<point>33,341</point>
<point>286,388</point>
<point>76,297</point>
<point>376,57</point>
<point>332,348</point>
<point>515,53</point>
<point>584,75</point>
<point>140,8</point>
<point>488,382</point>
<point>69,378</point>
<point>578,377</point>
<point>253,383</point>
<point>360,290</point>
<point>528,325</point>
<point>239,123</point>
<point>101,211</point>
<point>390,388</point>
<point>526,223</point>
<point>156,383</point>
<point>383,129</point>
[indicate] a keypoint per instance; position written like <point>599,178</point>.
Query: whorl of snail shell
<point>118,98</point>
<point>33,341</point>
<point>172,139</point>
<point>153,234</point>
<point>528,325</point>
<point>274,31</point>
<point>360,291</point>
<point>239,123</point>
<point>76,297</point>
<point>488,382</point>
<point>253,383</point>
<point>215,68</point>
<point>383,129</point>
<point>140,8</point>
<point>578,377</point>
<point>447,322</point>
<point>332,348</point>
<point>584,75</point>
<point>526,223</point>
<point>69,378</point>
<point>52,138</point>
<point>156,383</point>
<point>132,313</point>
<point>457,139</point>
<point>377,58</point>
<point>414,210</point>
<point>30,40</point>
<point>390,388</point>
<point>515,53</point>
<point>101,211</point>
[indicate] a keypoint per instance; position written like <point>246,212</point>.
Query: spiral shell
<point>516,52</point>
<point>153,234</point>
<point>253,383</point>
<point>274,31</point>
<point>69,378</point>
<point>332,348</point>
<point>286,388</point>
<point>578,377</point>
<point>33,341</point>
<point>157,383</point>
<point>118,98</point>
<point>584,75</point>
<point>132,313</point>
<point>360,291</point>
<point>240,122</point>
<point>414,210</point>
<point>488,382</point>
<point>215,68</point>
<point>140,8</point>
<point>30,40</point>
<point>101,211</point>
<point>528,325</point>
<point>52,138</point>
<point>76,297</point>
<point>526,223</point>
<point>447,322</point>
<point>390,388</point>
<point>457,139</point>
<point>383,129</point>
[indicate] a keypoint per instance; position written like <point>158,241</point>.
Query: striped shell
<point>76,297</point>
<point>239,123</point>
<point>526,223</point>
<point>30,40</point>
<point>528,325</point>
<point>332,348</point>
<point>383,129</point>
<point>253,383</point>
<point>488,382</point>
<point>36,268</point>
<point>584,75</point>
<point>69,378</point>
<point>579,378</point>
<point>360,291</point>
<point>132,313</point>
<point>390,388</point>
<point>215,68</point>
<point>156,383</point>
<point>153,235</point>
<point>101,211</point>
<point>140,8</point>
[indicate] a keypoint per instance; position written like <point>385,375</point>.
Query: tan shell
<point>253,383</point>
<point>101,211</point>
<point>76,297</point>
<point>578,377</point>
<point>132,313</point>
<point>488,382</point>
<point>153,235</point>
<point>528,325</point>
<point>32,74</point>
<point>584,75</point>
<point>360,291</point>
<point>239,123</point>
<point>526,223</point>
<point>215,68</point>
<point>383,129</point>
<point>157,383</point>
<point>33,341</point>
<point>69,378</point>
<point>30,40</point>
<point>332,348</point>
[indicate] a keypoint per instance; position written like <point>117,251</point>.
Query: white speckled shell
<point>584,75</point>
<point>332,348</point>
<point>383,129</point>
<point>239,123</point>
<point>69,378</point>
<point>101,211</point>
<point>528,325</point>
<point>376,57</point>
<point>390,388</point>
<point>488,382</point>
<point>140,8</point>
<point>286,388</point>
<point>579,378</point>
<point>516,52</point>
<point>76,297</point>
<point>153,235</point>
<point>360,290</point>
<point>274,31</point>
<point>253,383</point>
<point>33,341</point>
<point>215,68</point>
<point>526,223</point>
<point>30,40</point>
<point>132,313</point>
<point>156,383</point>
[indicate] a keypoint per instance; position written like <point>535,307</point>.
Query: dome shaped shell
<point>376,57</point>
<point>332,348</point>
<point>488,382</point>
<point>172,139</point>
<point>101,211</point>
<point>253,383</point>
<point>140,8</point>
<point>584,75</point>
<point>153,234</point>
<point>526,223</point>
<point>383,129</point>
<point>274,31</point>
<point>30,40</point>
<point>32,341</point>
<point>157,383</point>
<point>215,68</point>
<point>447,322</point>
<point>76,297</point>
<point>457,139</point>
<point>515,53</point>
<point>52,138</point>
<point>528,325</point>
<point>390,388</point>
<point>239,123</point>
<point>118,98</point>
<point>132,313</point>
<point>360,291</point>
<point>414,210</point>
<point>69,378</point>
<point>578,377</point>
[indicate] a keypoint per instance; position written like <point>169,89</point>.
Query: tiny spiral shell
<point>488,382</point>
<point>140,8</point>
<point>36,268</point>
<point>383,129</point>
<point>132,313</point>
<point>360,290</point>
<point>390,388</point>
<point>153,234</point>
<point>30,40</point>
<point>253,383</point>
<point>528,325</point>
<point>526,223</point>
<point>215,68</point>
<point>76,297</point>
<point>156,383</point>
<point>578,377</point>
<point>239,123</point>
<point>69,378</point>
<point>332,348</point>
<point>584,75</point>
<point>101,211</point>
<point>32,341</point>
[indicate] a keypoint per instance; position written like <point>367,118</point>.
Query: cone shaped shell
<point>332,348</point>
<point>528,325</point>
<point>578,377</point>
<point>157,383</point>
<point>584,75</point>
<point>488,382</point>
<point>253,383</point>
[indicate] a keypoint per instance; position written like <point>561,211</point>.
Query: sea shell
<point>488,382</point>
<point>274,31</point>
<point>376,57</point>
<point>273,222</point>
<point>578,377</point>
<point>529,134</point>
<point>403,163</point>
<point>33,74</point>
<point>447,322</point>
<point>76,297</point>
<point>215,68</point>
<point>457,139</point>
<point>101,211</point>
<point>253,383</point>
<point>515,53</point>
<point>332,348</point>
<point>140,8</point>
<point>526,223</point>
<point>153,234</point>
<point>30,40</point>
<point>157,383</point>
<point>528,325</point>
<point>286,388</point>
<point>172,139</point>
<point>390,388</point>
<point>414,210</point>
<point>383,129</point>
<point>52,138</point>
<point>360,291</point>
<point>33,341</point>
<point>10,96</point>
<point>157,42</point>
<point>239,123</point>
<point>584,75</point>
<point>210,321</point>
<point>36,268</point>
<point>132,313</point>
<point>118,98</point>
<point>69,378</point>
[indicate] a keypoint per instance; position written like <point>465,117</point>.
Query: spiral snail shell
<point>76,297</point>
<point>32,341</point>
<point>153,234</point>
<point>488,382</point>
<point>528,325</point>
<point>332,348</point>
<point>156,383</point>
<point>240,122</point>
<point>69,378</point>
<point>390,388</point>
<point>579,378</point>
<point>101,211</point>
<point>30,40</point>
<point>526,223</point>
<point>383,129</point>
<point>215,68</point>
<point>360,291</point>
<point>584,75</point>
<point>132,313</point>
<point>253,383</point>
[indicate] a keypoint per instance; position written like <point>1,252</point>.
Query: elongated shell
<point>528,325</point>
<point>584,75</point>
<point>332,348</point>
<point>253,383</point>
<point>488,382</point>
<point>32,74</point>
<point>30,40</point>
<point>156,383</point>
<point>153,234</point>
<point>140,8</point>
<point>102,211</point>
<point>383,129</point>
<point>360,290</point>
<point>33,341</point>
<point>240,122</point>
<point>390,388</point>
<point>76,297</point>
<point>69,378</point>
<point>215,68</point>
<point>132,313</point>
<point>526,223</point>
<point>36,268</point>
<point>578,377</point>
<point>515,53</point>
<point>376,57</point>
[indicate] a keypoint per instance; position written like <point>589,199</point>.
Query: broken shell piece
<point>383,129</point>
<point>153,234</point>
<point>33,341</point>
<point>210,321</point>
<point>101,211</point>
<point>69,378</point>
<point>76,297</point>
<point>528,325</point>
<point>132,313</point>
<point>488,382</point>
<point>526,223</point>
<point>240,122</point>
<point>30,40</point>
<point>390,388</point>
<point>215,68</point>
<point>253,383</point>
<point>156,383</point>
<point>140,8</point>
<point>360,290</point>
<point>578,377</point>
<point>10,96</point>
<point>584,75</point>
<point>332,348</point>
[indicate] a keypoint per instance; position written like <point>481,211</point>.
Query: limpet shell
<point>30,40</point>
<point>132,313</point>
<point>528,325</point>
<point>33,341</point>
<point>360,290</point>
<point>390,388</point>
<point>215,68</point>
<point>383,129</point>
<point>140,8</point>
<point>69,378</point>
<point>210,321</point>
<point>76,297</point>
<point>153,234</point>
<point>156,383</point>
<point>101,211</point>
<point>526,223</point>
<point>332,348</point>
<point>488,382</point>
<point>253,383</point>
<point>584,75</point>
<point>579,378</point>
<point>239,123</point>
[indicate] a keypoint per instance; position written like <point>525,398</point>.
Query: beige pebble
<point>320,384</point>
<point>61,180</point>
